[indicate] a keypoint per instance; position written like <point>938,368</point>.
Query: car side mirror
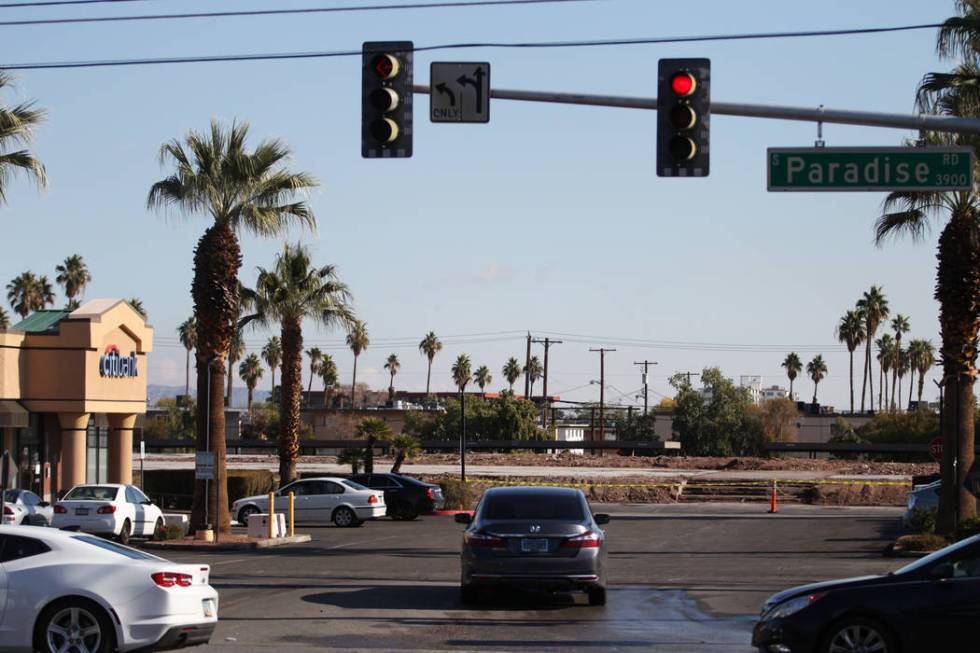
<point>463,518</point>
<point>941,571</point>
<point>601,518</point>
<point>147,503</point>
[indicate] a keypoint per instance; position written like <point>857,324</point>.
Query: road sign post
<point>460,92</point>
<point>936,449</point>
<point>877,169</point>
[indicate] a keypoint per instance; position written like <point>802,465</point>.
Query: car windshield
<point>92,493</point>
<point>534,506</point>
<point>354,485</point>
<point>106,545</point>
<point>941,553</point>
<point>11,495</point>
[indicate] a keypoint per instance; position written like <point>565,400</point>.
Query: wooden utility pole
<point>646,366</point>
<point>547,342</point>
<point>527,364</point>
<point>602,391</point>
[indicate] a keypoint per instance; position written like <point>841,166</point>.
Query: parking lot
<point>681,578</point>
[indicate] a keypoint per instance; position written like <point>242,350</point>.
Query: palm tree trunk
<point>852,380</point>
<point>815,383</point>
<point>894,383</point>
<point>272,390</point>
<point>369,455</point>
<point>289,399</point>
<point>187,376</point>
<point>922,380</point>
<point>428,377</point>
<point>791,389</point>
<point>231,377</point>
<point>911,383</point>
<point>251,389</point>
<point>353,384</point>
<point>882,378</point>
<point>309,389</point>
<point>864,373</point>
<point>399,459</point>
<point>391,388</point>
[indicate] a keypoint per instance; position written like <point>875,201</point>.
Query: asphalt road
<point>681,578</point>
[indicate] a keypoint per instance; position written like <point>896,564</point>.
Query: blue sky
<point>549,219</point>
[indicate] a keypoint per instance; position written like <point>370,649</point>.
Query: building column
<point>121,447</point>
<point>74,428</point>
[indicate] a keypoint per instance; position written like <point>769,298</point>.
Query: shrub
<point>249,482</point>
<point>456,494</point>
<point>968,528</point>
<point>923,520</point>
<point>921,543</point>
<point>171,532</point>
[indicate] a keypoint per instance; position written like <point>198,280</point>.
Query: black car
<point>405,497</point>
<point>932,604</point>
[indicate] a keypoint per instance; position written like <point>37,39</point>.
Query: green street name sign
<point>870,168</point>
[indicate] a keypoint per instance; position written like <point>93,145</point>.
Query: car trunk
<point>546,540</point>
<point>84,509</point>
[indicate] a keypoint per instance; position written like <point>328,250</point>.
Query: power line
<point>52,3</point>
<point>456,4</point>
<point>103,63</point>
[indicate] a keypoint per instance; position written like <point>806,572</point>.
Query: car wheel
<point>125,532</point>
<point>245,513</point>
<point>597,595</point>
<point>74,625</point>
<point>158,529</point>
<point>469,595</point>
<point>857,636</point>
<point>344,517</point>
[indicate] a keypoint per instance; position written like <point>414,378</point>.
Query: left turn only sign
<point>459,91</point>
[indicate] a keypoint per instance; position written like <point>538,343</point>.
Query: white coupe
<point>71,592</point>
<point>339,500</point>
<point>26,508</point>
<point>108,509</point>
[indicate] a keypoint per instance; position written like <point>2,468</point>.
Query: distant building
<point>571,433</point>
<point>773,392</point>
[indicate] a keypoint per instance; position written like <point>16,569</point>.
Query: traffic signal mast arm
<point>838,116</point>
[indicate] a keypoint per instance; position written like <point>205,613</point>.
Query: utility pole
<point>527,364</point>
<point>547,342</point>
<point>689,375</point>
<point>602,391</point>
<point>646,366</point>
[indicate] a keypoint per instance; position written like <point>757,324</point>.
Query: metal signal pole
<point>547,342</point>
<point>602,391</point>
<point>646,366</point>
<point>527,364</point>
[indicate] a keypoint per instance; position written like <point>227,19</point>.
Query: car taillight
<point>373,499</point>
<point>429,493</point>
<point>477,539</point>
<point>106,510</point>
<point>61,510</point>
<point>587,540</point>
<point>7,510</point>
<point>171,579</point>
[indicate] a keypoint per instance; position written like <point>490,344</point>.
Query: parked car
<point>26,508</point>
<point>535,537</point>
<point>339,500</point>
<point>108,509</point>
<point>67,591</point>
<point>932,604</point>
<point>924,497</point>
<point>406,497</point>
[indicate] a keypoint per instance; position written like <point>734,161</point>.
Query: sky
<point>549,219</point>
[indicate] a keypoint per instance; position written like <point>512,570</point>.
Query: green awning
<point>41,322</point>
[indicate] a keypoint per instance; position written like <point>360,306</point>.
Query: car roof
<point>335,479</point>
<point>530,491</point>
<point>115,485</point>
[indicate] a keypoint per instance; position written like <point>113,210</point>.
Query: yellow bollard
<point>292,512</point>
<point>272,511</point>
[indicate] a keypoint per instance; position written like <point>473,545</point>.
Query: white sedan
<point>26,508</point>
<point>339,500</point>
<point>73,592</point>
<point>108,509</point>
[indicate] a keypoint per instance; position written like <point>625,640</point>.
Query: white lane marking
<point>341,546</point>
<point>227,562</point>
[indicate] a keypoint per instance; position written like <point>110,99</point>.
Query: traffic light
<point>386,99</point>
<point>683,117</point>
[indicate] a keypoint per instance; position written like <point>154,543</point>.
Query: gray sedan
<point>534,537</point>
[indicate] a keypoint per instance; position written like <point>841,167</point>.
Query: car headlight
<point>792,606</point>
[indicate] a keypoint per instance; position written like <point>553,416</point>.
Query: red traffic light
<point>386,66</point>
<point>683,84</point>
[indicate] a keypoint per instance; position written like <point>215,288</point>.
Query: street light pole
<point>646,366</point>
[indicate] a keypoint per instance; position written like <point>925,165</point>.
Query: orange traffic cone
<point>773,508</point>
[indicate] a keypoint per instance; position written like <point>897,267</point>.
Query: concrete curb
<point>230,546</point>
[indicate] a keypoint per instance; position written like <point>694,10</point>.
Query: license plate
<point>81,511</point>
<point>534,545</point>
<point>208,607</point>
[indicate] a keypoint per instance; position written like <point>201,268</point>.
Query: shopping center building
<point>72,385</point>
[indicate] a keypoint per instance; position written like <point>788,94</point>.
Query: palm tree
<point>187,333</point>
<point>405,447</point>
<point>250,372</point>
<point>850,331</point>
<point>290,292</point>
<point>483,378</point>
<point>902,366</point>
<point>73,276</point>
<point>900,325</point>
<point>315,356</point>
<point>17,125</point>
<point>28,293</point>
<point>372,429</point>
<point>328,374</point>
<point>793,366</point>
<point>239,190</point>
<point>923,360</point>
<point>873,307</point>
<point>512,372</point>
<point>4,319</point>
<point>235,352</point>
<point>137,305</point>
<point>358,341</point>
<point>462,373</point>
<point>430,346</point>
<point>352,457</point>
<point>817,369</point>
<point>534,372</point>
<point>886,347</point>
<point>392,365</point>
<point>272,355</point>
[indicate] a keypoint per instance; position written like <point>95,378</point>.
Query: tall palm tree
<point>358,341</point>
<point>900,325</point>
<point>187,333</point>
<point>885,356</point>
<point>873,307</point>
<point>462,373</point>
<point>430,346</point>
<point>235,352</point>
<point>239,190</point>
<point>483,378</point>
<point>392,365</point>
<point>328,374</point>
<point>137,305</point>
<point>850,331</point>
<point>294,290</point>
<point>315,356</point>
<point>17,125</point>
<point>793,366</point>
<point>817,369</point>
<point>534,372</point>
<point>4,319</point>
<point>73,276</point>
<point>250,372</point>
<point>28,293</point>
<point>923,360</point>
<point>272,355</point>
<point>512,372</point>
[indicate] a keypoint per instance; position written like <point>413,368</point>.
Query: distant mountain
<point>239,396</point>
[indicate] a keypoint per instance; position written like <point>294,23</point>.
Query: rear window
<point>106,545</point>
<point>534,506</point>
<point>92,493</point>
<point>10,496</point>
<point>353,484</point>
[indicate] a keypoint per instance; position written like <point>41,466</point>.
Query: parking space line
<point>378,539</point>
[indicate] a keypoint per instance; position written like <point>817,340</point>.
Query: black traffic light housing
<point>683,117</point>
<point>386,99</point>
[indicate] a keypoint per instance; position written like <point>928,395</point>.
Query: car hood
<point>824,586</point>
<point>254,499</point>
